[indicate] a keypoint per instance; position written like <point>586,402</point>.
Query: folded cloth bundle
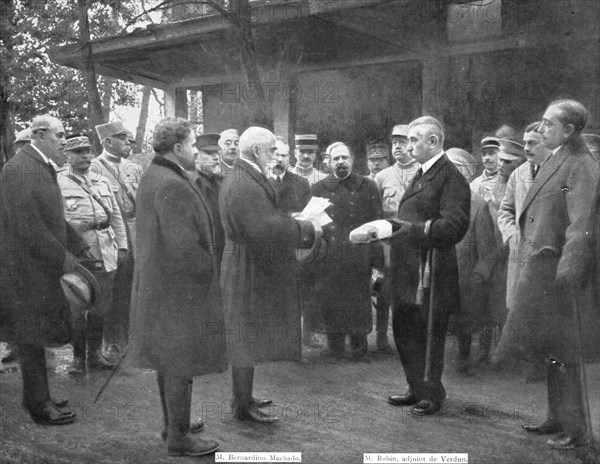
<point>371,231</point>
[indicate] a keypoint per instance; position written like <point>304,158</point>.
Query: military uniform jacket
<point>177,324</point>
<point>124,176</point>
<point>343,277</point>
<point>556,243</point>
<point>258,271</point>
<point>34,238</point>
<point>442,195</point>
<point>86,215</point>
<point>392,182</point>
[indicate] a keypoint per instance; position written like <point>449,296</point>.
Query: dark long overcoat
<point>177,323</point>
<point>34,240</point>
<point>343,277</point>
<point>477,253</point>
<point>556,242</point>
<point>442,196</point>
<point>258,271</point>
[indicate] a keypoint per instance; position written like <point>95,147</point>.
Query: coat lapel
<point>416,187</point>
<point>546,172</point>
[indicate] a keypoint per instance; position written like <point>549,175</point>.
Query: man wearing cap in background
<point>377,160</point>
<point>393,181</point>
<point>208,180</point>
<point>229,141</point>
<point>510,156</point>
<point>378,155</point>
<point>342,287</point>
<point>305,152</point>
<point>124,176</point>
<point>37,244</point>
<point>21,139</point>
<point>485,183</point>
<point>92,210</point>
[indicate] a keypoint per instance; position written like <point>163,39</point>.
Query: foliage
<point>36,84</point>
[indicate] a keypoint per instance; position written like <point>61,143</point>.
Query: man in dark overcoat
<point>555,315</point>
<point>344,275</point>
<point>293,194</point>
<point>35,243</point>
<point>178,318</point>
<point>258,273</point>
<point>434,215</point>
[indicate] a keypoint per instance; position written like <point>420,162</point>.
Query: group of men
<point>224,266</point>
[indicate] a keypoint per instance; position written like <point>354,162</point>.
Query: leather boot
<point>243,406</point>
<point>195,427</point>
<point>180,442</point>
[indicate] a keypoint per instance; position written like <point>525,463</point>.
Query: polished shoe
<point>60,403</point>
<point>193,446</point>
<point>10,357</point>
<point>252,413</point>
<point>195,427</point>
<point>425,408</point>
<point>112,353</point>
<point>77,367</point>
<point>545,428</point>
<point>262,402</point>
<point>403,400</point>
<point>50,414</point>
<point>97,361</point>
<point>564,442</point>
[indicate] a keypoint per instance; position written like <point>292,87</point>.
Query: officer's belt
<point>94,196</point>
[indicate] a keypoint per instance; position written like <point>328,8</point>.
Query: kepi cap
<point>490,142</point>
<point>208,142</point>
<point>306,141</point>
<point>377,150</point>
<point>400,130</point>
<point>110,129</point>
<point>77,142</point>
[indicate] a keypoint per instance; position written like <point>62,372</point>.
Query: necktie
<point>534,171</point>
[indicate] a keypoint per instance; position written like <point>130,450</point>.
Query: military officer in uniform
<point>124,176</point>
<point>92,210</point>
<point>306,153</point>
<point>377,158</point>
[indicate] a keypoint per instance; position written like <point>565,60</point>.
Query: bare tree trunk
<point>6,58</point>
<point>89,72</point>
<point>141,128</point>
<point>240,17</point>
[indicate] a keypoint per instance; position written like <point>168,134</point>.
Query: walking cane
<point>112,374</point>
<point>429,282</point>
<point>577,306</point>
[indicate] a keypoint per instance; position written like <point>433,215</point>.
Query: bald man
<point>258,274</point>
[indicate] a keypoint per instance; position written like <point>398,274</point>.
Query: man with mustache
<point>229,141</point>
<point>38,245</point>
<point>393,181</point>
<point>306,153</point>
<point>345,302</point>
<point>92,210</point>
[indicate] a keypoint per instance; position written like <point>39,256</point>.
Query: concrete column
<point>176,103</point>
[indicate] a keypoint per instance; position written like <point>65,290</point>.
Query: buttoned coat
<point>343,277</point>
<point>556,244</point>
<point>258,271</point>
<point>477,253</point>
<point>176,313</point>
<point>442,196</point>
<point>293,192</point>
<point>35,239</point>
<point>510,208</point>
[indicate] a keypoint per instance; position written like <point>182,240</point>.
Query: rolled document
<point>371,231</point>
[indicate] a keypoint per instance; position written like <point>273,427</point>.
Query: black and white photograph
<point>300,231</point>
